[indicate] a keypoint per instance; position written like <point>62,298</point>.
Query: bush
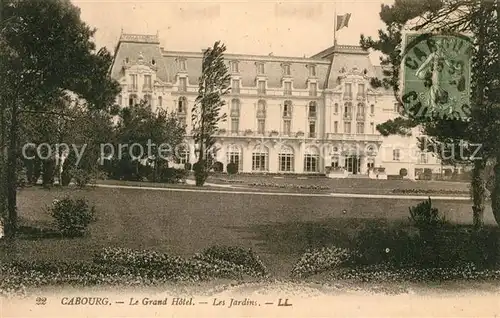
<point>171,175</point>
<point>319,260</point>
<point>424,216</point>
<point>72,217</point>
<point>448,172</point>
<point>232,168</point>
<point>427,174</point>
<point>403,172</point>
<point>200,173</point>
<point>218,166</point>
<point>187,166</point>
<point>81,176</point>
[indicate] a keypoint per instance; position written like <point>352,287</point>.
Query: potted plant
<point>274,133</point>
<point>300,134</point>
<point>248,132</point>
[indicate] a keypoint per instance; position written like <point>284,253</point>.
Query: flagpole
<point>335,26</point>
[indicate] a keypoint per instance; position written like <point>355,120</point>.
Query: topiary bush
<point>403,172</point>
<point>72,217</point>
<point>232,168</point>
<point>218,166</point>
<point>188,166</point>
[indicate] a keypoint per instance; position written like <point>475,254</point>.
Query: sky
<point>285,28</point>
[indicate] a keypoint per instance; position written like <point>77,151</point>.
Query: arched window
<point>183,155</point>
<point>182,105</point>
<point>361,109</point>
<point>260,158</point>
<point>234,155</point>
<point>311,160</point>
<point>285,159</point>
<point>312,109</point>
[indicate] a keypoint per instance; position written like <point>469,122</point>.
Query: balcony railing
<point>347,116</point>
<point>235,113</point>
<point>147,88</point>
<point>261,114</point>
<point>354,137</point>
<point>261,91</point>
<point>235,90</point>
<point>313,93</point>
<point>287,92</point>
<point>360,116</point>
<point>132,88</point>
<point>348,95</point>
<point>182,88</point>
<point>312,135</point>
<point>312,114</point>
<point>361,96</point>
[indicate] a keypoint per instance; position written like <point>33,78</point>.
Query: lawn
<point>279,228</point>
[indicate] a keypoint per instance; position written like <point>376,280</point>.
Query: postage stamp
<point>436,71</point>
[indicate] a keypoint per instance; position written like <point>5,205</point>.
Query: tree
<point>451,139</point>
<point>206,113</point>
<point>46,51</point>
<point>139,124</point>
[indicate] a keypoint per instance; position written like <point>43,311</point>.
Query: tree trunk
<point>495,194</point>
<point>478,193</point>
<point>12,174</point>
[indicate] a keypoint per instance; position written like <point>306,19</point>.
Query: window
<point>335,162</point>
<point>147,82</point>
<point>423,157</point>
<point>312,70</point>
<point>372,128</point>
<point>360,128</point>
<point>347,127</point>
<point>311,160</point>
<point>361,90</point>
<point>119,100</point>
<point>234,67</point>
<point>182,84</point>
<point>396,155</point>
<point>234,156</point>
<point>260,159</point>
<point>235,125</point>
<point>182,65</point>
<point>261,126</point>
<point>360,114</point>
<point>287,127</point>
<point>286,69</point>
<point>182,120</point>
<point>261,108</point>
<point>261,87</point>
<point>348,90</point>
<point>133,81</point>
<point>372,109</point>
<point>396,107</point>
<point>288,88</point>
<point>160,101</point>
<point>313,89</point>
<point>235,86</point>
<point>370,163</point>
<point>183,155</point>
<point>287,109</point>
<point>235,108</point>
<point>181,105</point>
<point>285,159</point>
<point>260,68</point>
<point>312,129</point>
<point>312,110</point>
<point>348,110</point>
<point>132,100</point>
<point>336,108</point>
<point>148,99</point>
<point>335,126</point>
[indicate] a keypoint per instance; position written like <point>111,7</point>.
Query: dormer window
<point>260,68</point>
<point>234,67</point>
<point>312,70</point>
<point>286,69</point>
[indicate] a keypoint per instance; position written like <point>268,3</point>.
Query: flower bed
<point>119,266</point>
<point>289,186</point>
<point>430,191</point>
<point>320,260</point>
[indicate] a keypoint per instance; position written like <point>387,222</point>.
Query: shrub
<point>427,174</point>
<point>424,216</point>
<point>218,166</point>
<point>200,173</point>
<point>72,217</point>
<point>319,260</point>
<point>82,177</point>
<point>188,166</point>
<point>448,172</point>
<point>232,168</point>
<point>403,172</point>
<point>171,175</point>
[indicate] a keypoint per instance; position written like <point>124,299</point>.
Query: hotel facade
<point>304,115</point>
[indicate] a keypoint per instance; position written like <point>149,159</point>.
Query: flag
<point>343,21</point>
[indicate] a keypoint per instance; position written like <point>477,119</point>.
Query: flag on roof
<point>343,21</point>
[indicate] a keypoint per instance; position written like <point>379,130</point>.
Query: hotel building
<point>284,114</point>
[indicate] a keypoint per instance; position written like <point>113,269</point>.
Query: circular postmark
<point>435,75</point>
